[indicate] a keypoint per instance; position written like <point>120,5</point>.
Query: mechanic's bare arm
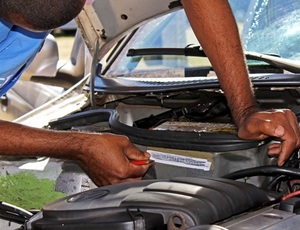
<point>105,157</point>
<point>216,30</point>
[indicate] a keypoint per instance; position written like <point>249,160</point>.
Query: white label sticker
<point>179,160</point>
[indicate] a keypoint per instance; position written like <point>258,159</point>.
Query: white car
<point>146,77</point>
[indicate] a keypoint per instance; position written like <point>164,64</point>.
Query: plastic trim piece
<point>158,138</point>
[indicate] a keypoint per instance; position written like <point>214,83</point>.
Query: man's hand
<point>281,124</point>
<point>106,159</point>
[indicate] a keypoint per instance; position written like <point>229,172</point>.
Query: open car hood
<point>107,21</point>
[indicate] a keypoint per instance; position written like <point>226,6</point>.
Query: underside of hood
<point>107,21</point>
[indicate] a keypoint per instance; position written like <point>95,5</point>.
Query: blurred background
<point>26,95</point>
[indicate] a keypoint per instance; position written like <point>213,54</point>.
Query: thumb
<point>279,131</point>
<point>134,153</point>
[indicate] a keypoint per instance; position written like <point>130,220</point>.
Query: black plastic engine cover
<point>151,204</point>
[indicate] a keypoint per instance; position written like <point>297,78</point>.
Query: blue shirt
<point>18,48</point>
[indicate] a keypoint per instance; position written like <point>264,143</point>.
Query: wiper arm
<point>278,62</point>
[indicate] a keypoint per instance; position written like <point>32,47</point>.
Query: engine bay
<point>177,203</point>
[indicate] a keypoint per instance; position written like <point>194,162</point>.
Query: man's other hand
<point>281,124</point>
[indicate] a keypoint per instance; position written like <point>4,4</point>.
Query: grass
<point>25,190</point>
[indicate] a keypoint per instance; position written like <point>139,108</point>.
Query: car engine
<point>178,203</point>
<point>205,177</point>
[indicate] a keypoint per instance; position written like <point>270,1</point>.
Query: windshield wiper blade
<point>279,62</point>
<point>187,51</point>
<point>276,61</point>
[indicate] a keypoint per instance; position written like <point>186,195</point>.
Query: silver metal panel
<point>265,219</point>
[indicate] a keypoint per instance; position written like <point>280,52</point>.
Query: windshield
<point>266,26</point>
<point>273,27</point>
